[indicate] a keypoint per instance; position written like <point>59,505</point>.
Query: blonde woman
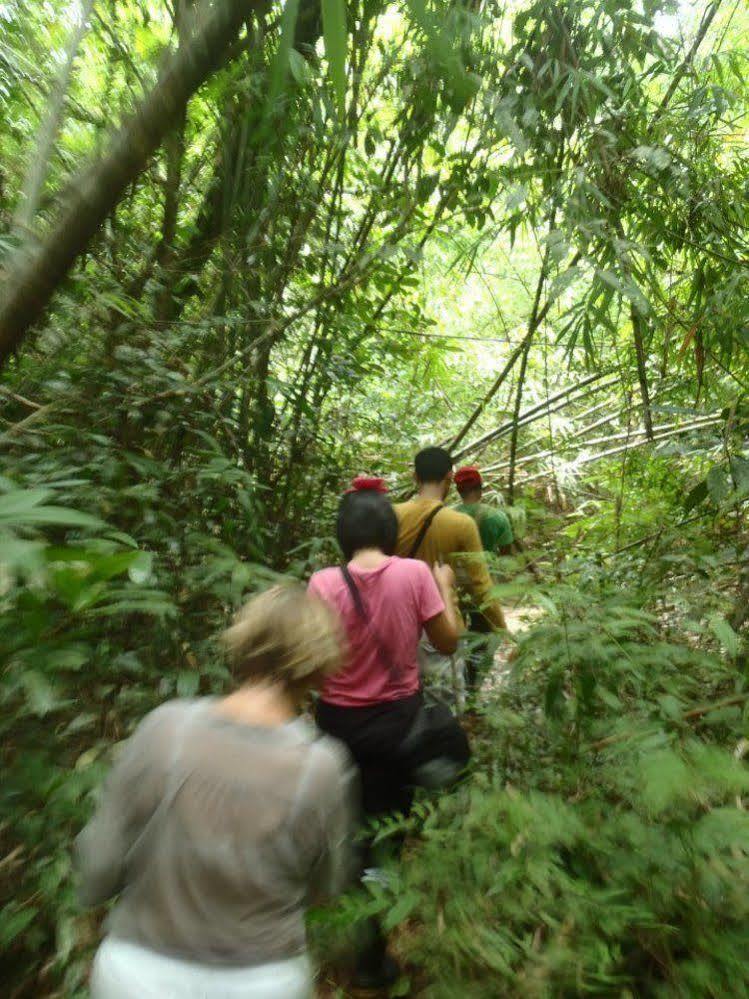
<point>222,820</point>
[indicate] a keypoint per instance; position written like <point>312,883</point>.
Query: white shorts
<point>124,970</point>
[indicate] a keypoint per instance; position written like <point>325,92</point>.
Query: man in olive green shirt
<point>434,533</point>
<point>497,538</point>
<point>494,525</point>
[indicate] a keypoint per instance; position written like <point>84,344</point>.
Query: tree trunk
<point>33,278</point>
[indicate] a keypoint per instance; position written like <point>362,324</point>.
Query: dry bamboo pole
<point>538,414</point>
<point>536,318</point>
<point>593,409</point>
<point>544,409</point>
<point>568,437</point>
<point>539,408</point>
<point>626,435</point>
<point>611,452</point>
<point>598,423</point>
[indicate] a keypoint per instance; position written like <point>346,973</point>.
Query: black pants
<point>373,735</point>
<point>479,657</point>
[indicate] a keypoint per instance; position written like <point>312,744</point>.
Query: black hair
<point>432,464</point>
<point>366,519</point>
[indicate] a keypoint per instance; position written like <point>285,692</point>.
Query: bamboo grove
<point>250,249</point>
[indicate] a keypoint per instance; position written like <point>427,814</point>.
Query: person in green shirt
<point>497,538</point>
<point>494,525</point>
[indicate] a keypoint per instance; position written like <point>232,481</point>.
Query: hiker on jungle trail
<point>374,704</point>
<point>434,533</point>
<point>222,819</point>
<point>494,525</point>
<point>497,538</point>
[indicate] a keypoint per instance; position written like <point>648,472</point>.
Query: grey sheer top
<point>219,834</point>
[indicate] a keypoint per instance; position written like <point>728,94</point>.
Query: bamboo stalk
<point>536,318</point>
<point>611,452</point>
<point>32,278</point>
<point>540,412</point>
<point>33,183</point>
<point>565,439</point>
<point>538,408</point>
<point>676,79</point>
<point>628,434</point>
<point>625,435</point>
<point>496,385</point>
<point>518,403</point>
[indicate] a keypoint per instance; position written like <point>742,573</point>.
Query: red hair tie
<point>366,483</point>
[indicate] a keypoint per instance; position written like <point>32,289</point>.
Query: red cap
<point>364,483</point>
<point>468,477</point>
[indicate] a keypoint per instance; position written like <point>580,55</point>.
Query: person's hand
<point>444,576</point>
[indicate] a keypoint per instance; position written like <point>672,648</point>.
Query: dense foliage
<point>520,228</point>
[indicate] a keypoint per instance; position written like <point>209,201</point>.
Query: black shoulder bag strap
<point>382,650</point>
<point>423,531</point>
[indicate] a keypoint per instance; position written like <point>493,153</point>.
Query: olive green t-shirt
<point>494,525</point>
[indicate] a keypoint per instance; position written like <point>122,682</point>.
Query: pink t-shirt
<point>399,597</point>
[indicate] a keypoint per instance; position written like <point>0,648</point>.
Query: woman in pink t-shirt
<point>370,705</point>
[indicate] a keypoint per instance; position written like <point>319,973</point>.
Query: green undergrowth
<point>601,844</point>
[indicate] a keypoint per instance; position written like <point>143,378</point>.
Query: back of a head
<point>366,519</point>
<point>284,636</point>
<point>469,483</point>
<point>432,464</point>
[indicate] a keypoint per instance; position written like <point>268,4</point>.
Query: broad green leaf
<point>40,695</point>
<point>718,483</point>
<point>300,69</point>
<point>21,501</point>
<point>725,634</point>
<point>695,496</point>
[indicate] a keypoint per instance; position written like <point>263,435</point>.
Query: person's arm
<point>326,821</point>
<point>128,797</point>
<point>443,629</point>
<point>478,580</point>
